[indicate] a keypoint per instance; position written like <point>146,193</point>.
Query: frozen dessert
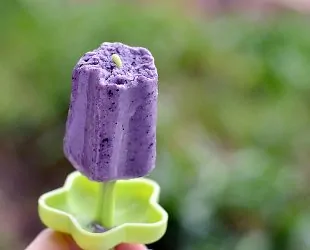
<point>111,125</point>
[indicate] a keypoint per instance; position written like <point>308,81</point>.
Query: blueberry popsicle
<point>111,124</point>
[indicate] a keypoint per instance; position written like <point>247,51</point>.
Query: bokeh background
<point>234,121</point>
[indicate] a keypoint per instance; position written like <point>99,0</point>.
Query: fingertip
<point>51,240</point>
<point>130,247</point>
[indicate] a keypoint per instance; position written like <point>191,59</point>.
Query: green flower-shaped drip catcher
<point>137,216</point>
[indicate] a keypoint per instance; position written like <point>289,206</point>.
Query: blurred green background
<point>233,128</point>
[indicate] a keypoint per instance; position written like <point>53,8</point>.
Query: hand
<point>50,240</point>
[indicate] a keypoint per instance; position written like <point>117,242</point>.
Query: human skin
<point>50,240</point>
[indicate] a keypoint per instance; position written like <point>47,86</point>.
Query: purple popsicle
<point>111,125</point>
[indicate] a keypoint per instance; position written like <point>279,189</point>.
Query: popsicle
<point>111,125</point>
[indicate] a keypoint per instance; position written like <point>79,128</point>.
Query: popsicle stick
<point>106,207</point>
<point>117,60</point>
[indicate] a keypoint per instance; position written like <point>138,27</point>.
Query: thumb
<point>130,247</point>
<point>50,240</point>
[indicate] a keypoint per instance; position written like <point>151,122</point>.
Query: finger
<point>50,240</point>
<point>130,247</point>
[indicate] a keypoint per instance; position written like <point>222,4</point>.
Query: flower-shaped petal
<point>138,216</point>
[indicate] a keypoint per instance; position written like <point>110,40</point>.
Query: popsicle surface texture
<point>111,125</point>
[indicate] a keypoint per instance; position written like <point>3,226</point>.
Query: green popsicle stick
<point>105,210</point>
<point>117,60</point>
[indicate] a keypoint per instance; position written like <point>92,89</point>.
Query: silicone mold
<point>137,218</point>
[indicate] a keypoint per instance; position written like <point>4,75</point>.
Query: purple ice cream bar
<point>111,125</point>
